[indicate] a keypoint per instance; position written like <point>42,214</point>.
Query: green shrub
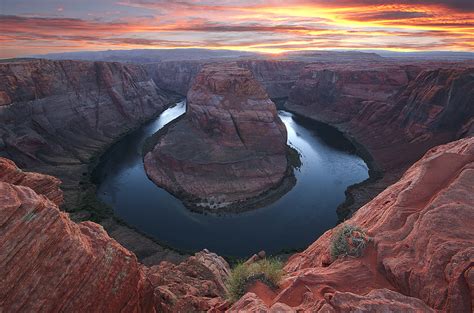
<point>348,240</point>
<point>268,271</point>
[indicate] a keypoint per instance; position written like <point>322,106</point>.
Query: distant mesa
<point>228,151</point>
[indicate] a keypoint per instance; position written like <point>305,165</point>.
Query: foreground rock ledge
<point>230,146</point>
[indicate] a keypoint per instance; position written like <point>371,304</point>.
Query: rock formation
<point>421,253</point>
<point>52,264</point>
<point>395,112</point>
<point>56,115</point>
<point>229,147</point>
<point>276,76</point>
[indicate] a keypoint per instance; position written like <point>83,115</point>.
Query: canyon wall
<point>395,113</point>
<point>420,255</point>
<point>57,115</point>
<point>228,148</point>
<point>391,111</point>
<point>277,76</point>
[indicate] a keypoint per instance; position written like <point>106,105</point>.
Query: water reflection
<point>294,221</point>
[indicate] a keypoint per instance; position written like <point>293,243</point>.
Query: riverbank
<point>90,208</point>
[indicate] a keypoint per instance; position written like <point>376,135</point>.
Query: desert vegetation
<point>348,240</point>
<point>268,271</point>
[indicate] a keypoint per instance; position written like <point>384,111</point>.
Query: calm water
<point>294,221</point>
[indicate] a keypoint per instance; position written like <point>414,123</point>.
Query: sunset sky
<point>43,26</point>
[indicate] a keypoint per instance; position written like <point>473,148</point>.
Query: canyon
<point>359,97</point>
<point>411,224</point>
<point>413,122</point>
<point>229,148</point>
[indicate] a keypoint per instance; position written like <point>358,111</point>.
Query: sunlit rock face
<point>229,147</point>
<point>52,264</point>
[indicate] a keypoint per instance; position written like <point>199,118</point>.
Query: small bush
<point>268,271</point>
<point>348,240</point>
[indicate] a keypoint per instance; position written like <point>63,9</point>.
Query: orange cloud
<point>262,26</point>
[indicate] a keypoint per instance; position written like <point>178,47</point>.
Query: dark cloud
<point>386,15</point>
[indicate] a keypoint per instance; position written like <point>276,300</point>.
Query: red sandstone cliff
<point>229,147</point>
<point>421,253</point>
<point>51,264</point>
<point>391,111</point>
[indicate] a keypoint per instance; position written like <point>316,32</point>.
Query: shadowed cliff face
<point>396,113</point>
<point>421,250</point>
<point>230,146</point>
<point>56,115</point>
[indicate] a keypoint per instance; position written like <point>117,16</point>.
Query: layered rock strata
<point>230,146</point>
<point>55,116</point>
<point>421,253</point>
<point>51,264</point>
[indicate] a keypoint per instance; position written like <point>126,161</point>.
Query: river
<point>328,167</point>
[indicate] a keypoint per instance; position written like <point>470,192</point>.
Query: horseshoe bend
<point>352,171</point>
<point>230,145</point>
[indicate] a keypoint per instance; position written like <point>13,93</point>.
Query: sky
<point>46,26</point>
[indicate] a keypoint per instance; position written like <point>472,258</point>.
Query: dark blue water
<point>294,221</point>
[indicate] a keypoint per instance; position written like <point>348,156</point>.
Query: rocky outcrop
<point>230,146</point>
<point>57,115</point>
<point>41,184</point>
<point>421,253</point>
<point>176,76</point>
<point>195,285</point>
<point>395,112</point>
<point>52,264</point>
